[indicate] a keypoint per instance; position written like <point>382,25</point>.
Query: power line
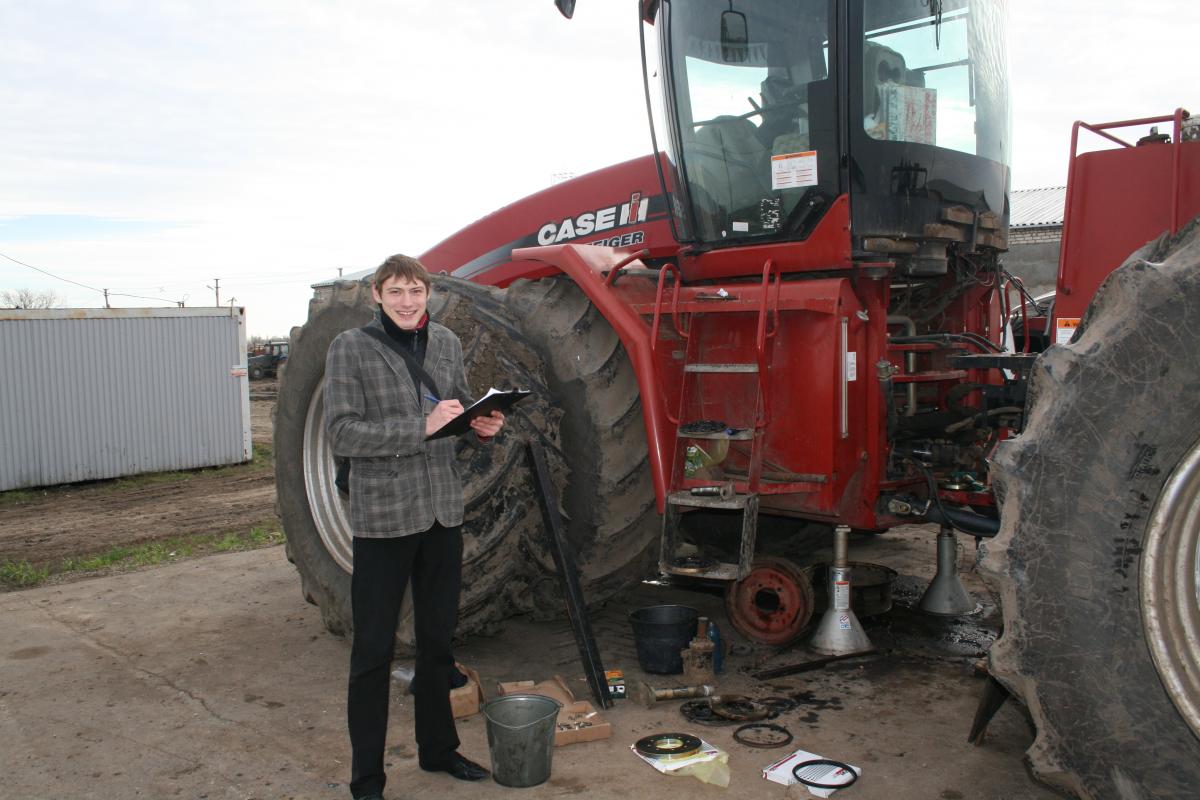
<point>104,292</point>
<point>51,274</point>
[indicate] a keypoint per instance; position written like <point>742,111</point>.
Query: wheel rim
<point>324,502</point>
<point>772,604</point>
<point>1170,587</point>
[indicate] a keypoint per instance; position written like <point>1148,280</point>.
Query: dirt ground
<point>211,678</point>
<point>83,519</point>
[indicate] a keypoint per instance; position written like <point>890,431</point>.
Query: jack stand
<point>994,695</point>
<point>946,595</point>
<point>840,632</point>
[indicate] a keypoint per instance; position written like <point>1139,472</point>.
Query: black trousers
<point>382,568</point>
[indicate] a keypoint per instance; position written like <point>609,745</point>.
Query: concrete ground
<point>211,678</point>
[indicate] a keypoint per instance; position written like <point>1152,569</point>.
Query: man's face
<point>403,300</point>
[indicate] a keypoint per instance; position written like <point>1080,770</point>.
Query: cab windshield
<point>753,148</point>
<point>937,76</point>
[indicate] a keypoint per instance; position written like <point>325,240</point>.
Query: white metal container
<point>98,393</point>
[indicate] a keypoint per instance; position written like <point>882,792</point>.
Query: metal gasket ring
<point>784,736</point>
<point>778,705</point>
<point>700,712</point>
<point>693,565</point>
<point>668,746</point>
<point>739,708</point>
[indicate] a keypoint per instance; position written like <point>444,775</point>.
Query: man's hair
<point>400,266</point>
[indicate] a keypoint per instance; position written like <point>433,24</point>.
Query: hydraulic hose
<point>966,521</point>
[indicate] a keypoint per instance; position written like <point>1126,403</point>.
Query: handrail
<point>1012,281</point>
<point>762,333</point>
<point>658,293</point>
<point>611,278</point>
<point>1100,130</point>
<point>760,341</point>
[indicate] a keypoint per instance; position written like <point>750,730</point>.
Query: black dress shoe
<point>462,768</point>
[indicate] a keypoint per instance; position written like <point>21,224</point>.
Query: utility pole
<point>106,305</point>
<point>216,287</point>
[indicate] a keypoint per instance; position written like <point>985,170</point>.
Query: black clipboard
<point>494,400</point>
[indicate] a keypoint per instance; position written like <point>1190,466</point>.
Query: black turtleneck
<point>414,341</point>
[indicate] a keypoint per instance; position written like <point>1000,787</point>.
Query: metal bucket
<point>520,731</point>
<point>660,633</point>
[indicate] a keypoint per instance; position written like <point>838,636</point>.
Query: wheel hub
<point>329,511</point>
<point>1170,587</point>
<point>772,604</point>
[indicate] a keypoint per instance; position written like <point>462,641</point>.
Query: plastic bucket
<point>660,633</point>
<point>520,731</point>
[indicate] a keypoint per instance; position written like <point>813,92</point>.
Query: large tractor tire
<point>506,567</point>
<point>608,495</point>
<point>1097,561</point>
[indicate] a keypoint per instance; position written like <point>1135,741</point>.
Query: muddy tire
<point>502,553</point>
<point>608,496</point>
<point>506,567</point>
<point>1096,562</point>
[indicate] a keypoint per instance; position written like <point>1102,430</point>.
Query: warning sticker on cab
<point>1064,329</point>
<point>791,170</point>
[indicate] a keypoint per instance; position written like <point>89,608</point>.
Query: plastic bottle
<point>714,636</point>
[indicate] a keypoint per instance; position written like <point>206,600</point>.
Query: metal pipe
<point>910,360</point>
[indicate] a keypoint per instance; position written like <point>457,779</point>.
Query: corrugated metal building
<point>1034,236</point>
<point>98,393</point>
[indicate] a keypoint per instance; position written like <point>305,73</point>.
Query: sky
<point>154,148</point>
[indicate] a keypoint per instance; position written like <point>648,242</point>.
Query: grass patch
<point>263,453</point>
<point>22,575</point>
<point>146,479</point>
<point>17,496</point>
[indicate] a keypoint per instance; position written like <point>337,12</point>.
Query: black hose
<point>966,521</point>
<point>946,339</point>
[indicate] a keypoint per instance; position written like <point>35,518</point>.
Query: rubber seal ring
<point>762,726</point>
<point>828,762</point>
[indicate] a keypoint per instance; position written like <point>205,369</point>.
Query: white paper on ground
<point>781,772</point>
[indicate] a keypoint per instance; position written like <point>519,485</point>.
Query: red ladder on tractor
<point>686,491</point>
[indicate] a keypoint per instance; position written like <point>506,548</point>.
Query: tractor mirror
<point>735,39</point>
<point>567,7</point>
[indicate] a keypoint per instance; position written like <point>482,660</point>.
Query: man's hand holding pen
<point>443,412</point>
<point>446,410</point>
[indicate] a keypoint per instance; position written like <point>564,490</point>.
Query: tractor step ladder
<point>737,495</point>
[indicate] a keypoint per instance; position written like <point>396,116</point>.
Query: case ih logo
<point>602,219</point>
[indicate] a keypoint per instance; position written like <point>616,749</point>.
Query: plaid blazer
<point>399,483</point>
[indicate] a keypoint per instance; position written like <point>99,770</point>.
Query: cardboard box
<point>578,720</point>
<point>781,772</point>
<point>616,683</point>
<point>908,113</point>
<point>465,700</point>
<point>555,688</point>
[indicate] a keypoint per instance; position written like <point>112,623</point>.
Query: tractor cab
<point>769,111</point>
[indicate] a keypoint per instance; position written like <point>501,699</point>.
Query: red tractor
<point>793,315</point>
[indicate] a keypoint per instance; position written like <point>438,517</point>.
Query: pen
<point>431,398</point>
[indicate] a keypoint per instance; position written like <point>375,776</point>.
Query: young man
<point>406,510</point>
